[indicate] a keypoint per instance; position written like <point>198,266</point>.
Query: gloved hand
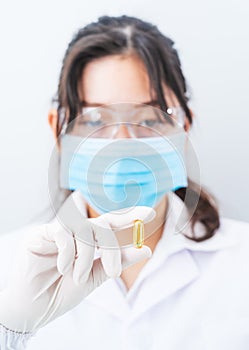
<point>49,279</point>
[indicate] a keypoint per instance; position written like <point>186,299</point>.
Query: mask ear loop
<point>63,121</point>
<point>64,128</point>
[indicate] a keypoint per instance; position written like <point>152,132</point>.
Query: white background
<point>213,41</point>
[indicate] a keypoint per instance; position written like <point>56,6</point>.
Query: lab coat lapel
<point>178,271</point>
<point>110,298</point>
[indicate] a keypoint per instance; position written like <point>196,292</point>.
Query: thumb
<point>132,255</point>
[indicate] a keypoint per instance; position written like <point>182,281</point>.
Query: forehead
<point>115,79</point>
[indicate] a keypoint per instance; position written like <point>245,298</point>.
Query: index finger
<point>124,218</point>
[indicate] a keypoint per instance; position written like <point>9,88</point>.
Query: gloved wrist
<point>10,339</point>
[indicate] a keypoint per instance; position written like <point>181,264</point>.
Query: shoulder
<point>234,229</point>
<point>234,253</point>
<point>228,248</point>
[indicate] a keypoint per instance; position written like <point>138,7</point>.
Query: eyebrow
<point>96,104</point>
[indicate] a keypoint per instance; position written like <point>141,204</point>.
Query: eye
<point>149,122</point>
<point>90,123</point>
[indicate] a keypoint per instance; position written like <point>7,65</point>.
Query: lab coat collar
<point>171,268</point>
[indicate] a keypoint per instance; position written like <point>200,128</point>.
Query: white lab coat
<point>191,296</point>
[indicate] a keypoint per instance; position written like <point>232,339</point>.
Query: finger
<point>108,247</point>
<point>64,243</point>
<point>124,218</point>
<point>98,273</point>
<point>84,262</point>
<point>42,247</point>
<point>132,255</point>
<point>111,260</point>
<point>72,219</point>
<point>42,260</point>
<point>35,242</point>
<point>85,247</point>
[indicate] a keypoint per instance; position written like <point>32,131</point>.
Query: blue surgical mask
<point>114,174</point>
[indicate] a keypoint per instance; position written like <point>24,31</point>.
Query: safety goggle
<point>139,120</point>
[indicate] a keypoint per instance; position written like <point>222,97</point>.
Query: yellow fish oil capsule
<point>138,233</point>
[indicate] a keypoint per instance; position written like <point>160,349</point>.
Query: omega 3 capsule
<point>138,233</point>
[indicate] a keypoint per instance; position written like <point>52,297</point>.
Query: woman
<point>177,292</point>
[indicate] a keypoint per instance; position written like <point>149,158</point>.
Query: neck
<point>154,229</point>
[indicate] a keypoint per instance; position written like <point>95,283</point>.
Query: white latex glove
<point>47,280</point>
